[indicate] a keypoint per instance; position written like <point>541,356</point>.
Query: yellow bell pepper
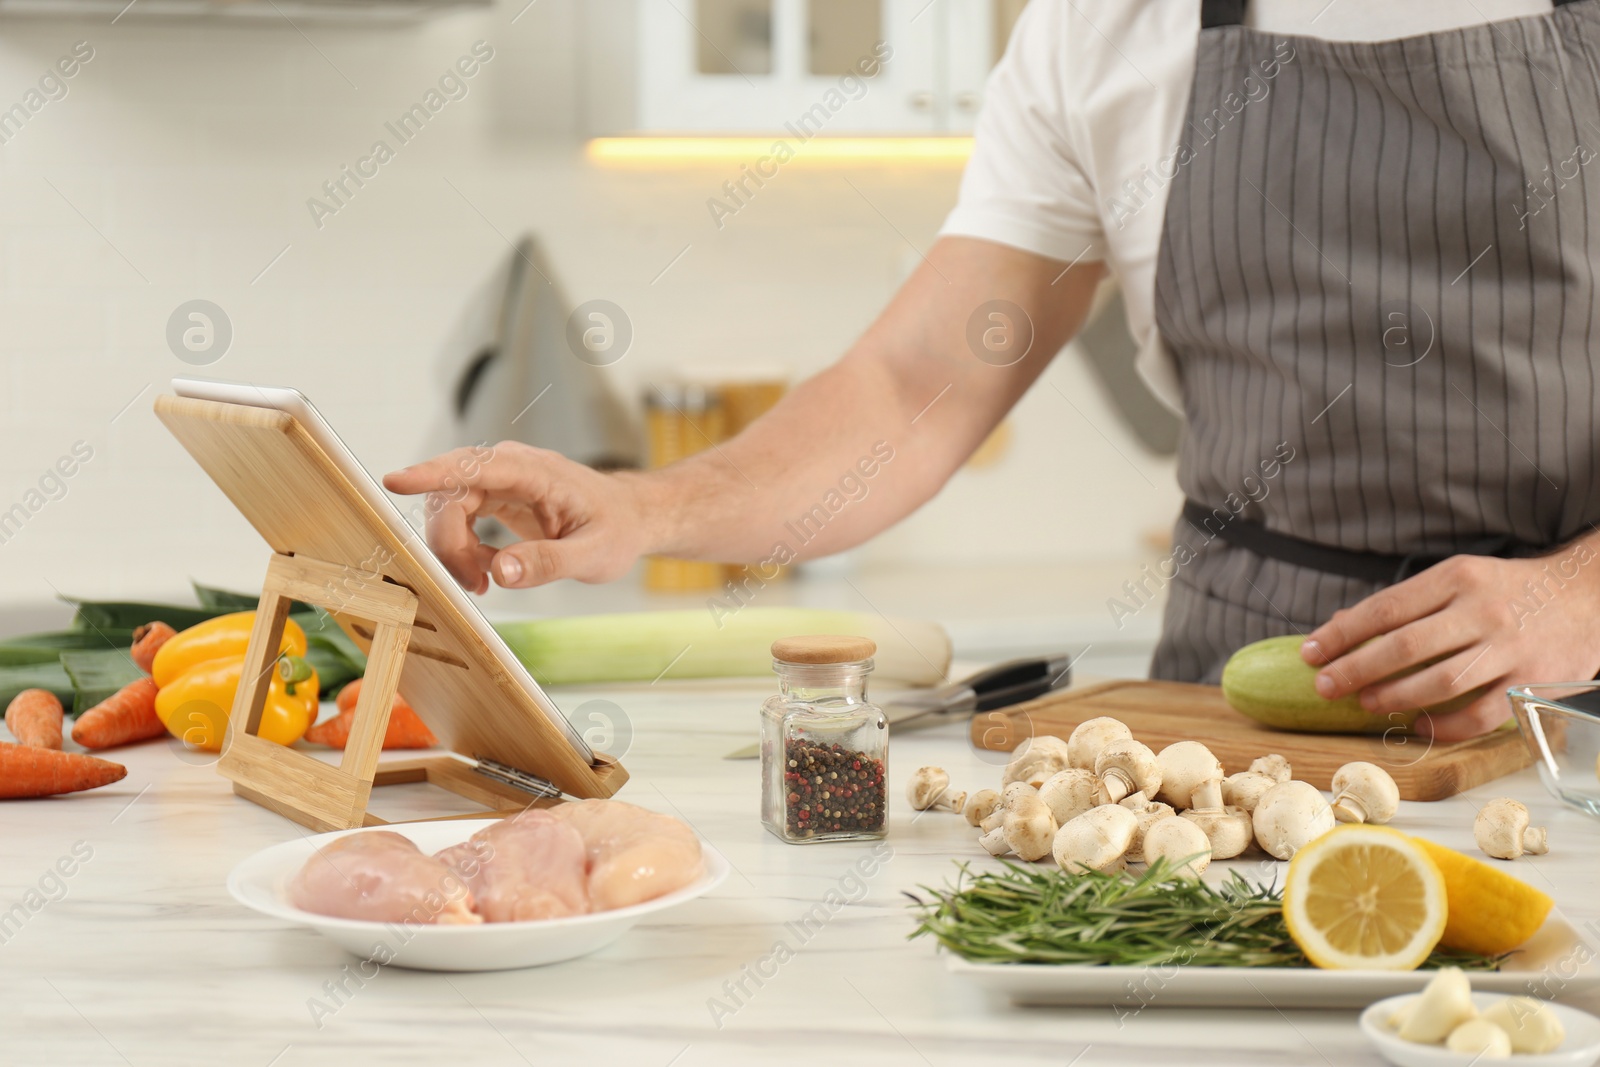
<point>195,706</point>
<point>223,637</point>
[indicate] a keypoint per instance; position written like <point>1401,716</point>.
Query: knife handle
<point>1011,673</point>
<point>1015,694</point>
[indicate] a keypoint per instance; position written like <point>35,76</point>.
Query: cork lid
<point>823,648</point>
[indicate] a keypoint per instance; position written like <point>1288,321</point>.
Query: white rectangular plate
<point>1558,963</point>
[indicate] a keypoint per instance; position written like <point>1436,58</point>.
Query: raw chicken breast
<point>634,854</point>
<point>530,866</point>
<point>380,876</point>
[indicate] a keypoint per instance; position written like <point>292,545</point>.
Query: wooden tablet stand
<point>307,790</point>
<point>507,744</point>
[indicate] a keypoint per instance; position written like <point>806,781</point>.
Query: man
<point>1356,233</point>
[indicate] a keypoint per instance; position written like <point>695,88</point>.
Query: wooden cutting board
<point>1160,713</point>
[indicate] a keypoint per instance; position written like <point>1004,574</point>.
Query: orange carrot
<point>26,771</point>
<point>147,641</point>
<point>406,728</point>
<point>127,716</point>
<point>34,718</point>
<point>351,693</point>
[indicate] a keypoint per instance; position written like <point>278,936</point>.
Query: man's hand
<point>574,522</point>
<point>1488,622</point>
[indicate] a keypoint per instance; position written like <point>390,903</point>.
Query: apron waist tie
<point>1331,559</point>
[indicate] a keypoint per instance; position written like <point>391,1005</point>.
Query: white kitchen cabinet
<point>759,66</point>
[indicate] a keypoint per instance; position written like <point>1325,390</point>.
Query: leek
<point>14,678</point>
<point>97,673</point>
<point>650,645</point>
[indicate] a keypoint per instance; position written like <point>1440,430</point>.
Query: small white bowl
<point>1580,1049</point>
<point>259,882</point>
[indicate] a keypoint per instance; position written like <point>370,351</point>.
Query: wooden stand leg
<point>289,781</point>
<point>307,790</point>
<point>260,661</point>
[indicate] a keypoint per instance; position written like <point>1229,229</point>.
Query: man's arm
<point>912,389</point>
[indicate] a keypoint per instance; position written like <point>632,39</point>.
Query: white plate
<point>1555,963</point>
<point>1580,1048</point>
<point>259,882</point>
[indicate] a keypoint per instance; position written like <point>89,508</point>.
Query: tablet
<point>472,731</point>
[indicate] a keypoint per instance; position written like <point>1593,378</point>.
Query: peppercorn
<point>852,802</point>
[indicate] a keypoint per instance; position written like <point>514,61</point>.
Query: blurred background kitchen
<point>540,158</point>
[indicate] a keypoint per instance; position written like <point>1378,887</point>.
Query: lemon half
<point>1490,911</point>
<point>1367,897</point>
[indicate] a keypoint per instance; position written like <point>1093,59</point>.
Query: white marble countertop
<point>140,957</point>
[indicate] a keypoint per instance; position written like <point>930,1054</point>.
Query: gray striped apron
<point>1377,279</point>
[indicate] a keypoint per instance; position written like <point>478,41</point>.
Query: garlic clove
<point>1398,1017</point>
<point>1445,1003</point>
<point>1480,1039</point>
<point>1529,1023</point>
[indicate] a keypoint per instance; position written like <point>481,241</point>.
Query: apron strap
<point>1221,13</point>
<point>1231,12</point>
<point>1331,559</point>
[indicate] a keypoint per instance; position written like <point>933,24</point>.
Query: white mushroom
<point>1290,816</point>
<point>1097,840</point>
<point>1364,792</point>
<point>1127,766</point>
<point>1092,735</point>
<point>1072,792</point>
<point>1181,843</point>
<point>1273,766</point>
<point>1530,1024</point>
<point>1029,828</point>
<point>1008,798</point>
<point>980,805</point>
<point>1445,1003</point>
<point>1479,1039</point>
<point>1502,831</point>
<point>1036,759</point>
<point>1245,789</point>
<point>929,787</point>
<point>1149,813</point>
<point>1228,830</point>
<point>1009,795</point>
<point>994,841</point>
<point>1184,765</point>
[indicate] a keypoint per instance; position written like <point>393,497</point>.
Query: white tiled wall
<point>179,164</point>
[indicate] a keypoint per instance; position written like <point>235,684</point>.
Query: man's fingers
<point>455,467</point>
<point>483,558</point>
<point>1479,717</point>
<point>1384,611</point>
<point>530,563</point>
<point>1371,663</point>
<point>453,539</point>
<point>509,467</point>
<point>1445,680</point>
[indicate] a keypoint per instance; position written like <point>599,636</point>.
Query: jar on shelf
<point>824,745</point>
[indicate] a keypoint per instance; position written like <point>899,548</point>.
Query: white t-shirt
<point>1090,98</point>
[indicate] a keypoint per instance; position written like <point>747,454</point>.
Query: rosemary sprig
<point>1150,918</point>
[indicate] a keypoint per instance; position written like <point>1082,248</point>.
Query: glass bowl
<point>1560,722</point>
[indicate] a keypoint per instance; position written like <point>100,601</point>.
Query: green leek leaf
<point>15,678</point>
<point>97,674</point>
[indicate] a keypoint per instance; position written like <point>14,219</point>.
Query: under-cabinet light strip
<point>655,150</point>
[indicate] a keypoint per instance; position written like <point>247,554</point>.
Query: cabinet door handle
<point>921,100</point>
<point>967,101</point>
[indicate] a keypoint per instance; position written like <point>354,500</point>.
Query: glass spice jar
<point>824,745</point>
